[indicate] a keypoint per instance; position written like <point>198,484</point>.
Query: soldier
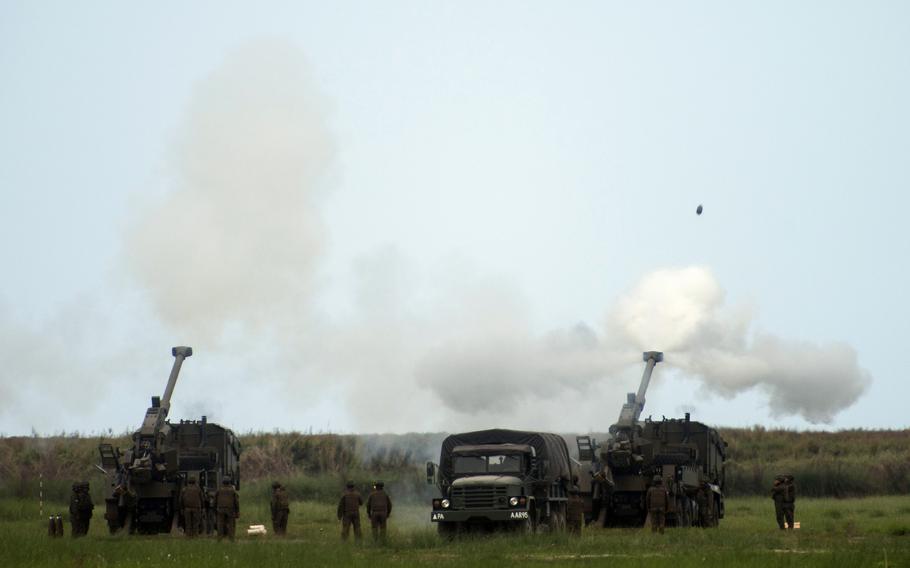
<point>657,500</point>
<point>575,511</point>
<point>789,504</point>
<point>191,503</point>
<point>81,507</point>
<point>227,509</point>
<point>116,513</point>
<point>75,518</point>
<point>280,509</point>
<point>779,493</point>
<point>707,517</point>
<point>349,511</point>
<point>701,499</point>
<point>379,509</point>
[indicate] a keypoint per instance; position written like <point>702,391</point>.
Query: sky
<point>441,216</point>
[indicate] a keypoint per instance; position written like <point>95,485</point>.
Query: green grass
<point>873,531</point>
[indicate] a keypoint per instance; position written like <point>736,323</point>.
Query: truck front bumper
<point>478,515</point>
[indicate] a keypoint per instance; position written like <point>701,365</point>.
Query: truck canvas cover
<point>549,448</point>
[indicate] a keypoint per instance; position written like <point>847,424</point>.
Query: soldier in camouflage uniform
<point>122,511</point>
<point>575,511</point>
<point>349,511</point>
<point>81,507</point>
<point>707,515</point>
<point>789,504</point>
<point>779,493</point>
<point>379,509</point>
<point>657,501</point>
<point>227,509</point>
<point>281,508</point>
<point>191,503</point>
<point>701,499</point>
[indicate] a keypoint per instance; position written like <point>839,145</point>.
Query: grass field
<point>873,531</point>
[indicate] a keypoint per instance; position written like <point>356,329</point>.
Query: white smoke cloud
<point>237,242</point>
<point>68,365</point>
<point>237,238</point>
<point>683,312</point>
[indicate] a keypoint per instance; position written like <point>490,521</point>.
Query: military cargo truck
<point>689,457</point>
<point>147,478</point>
<point>501,479</point>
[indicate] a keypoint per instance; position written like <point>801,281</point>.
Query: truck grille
<point>479,497</point>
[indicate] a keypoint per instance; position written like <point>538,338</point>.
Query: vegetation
<point>836,464</point>
<point>843,532</point>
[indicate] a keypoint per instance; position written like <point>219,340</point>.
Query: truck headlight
<point>445,503</point>
<point>513,501</point>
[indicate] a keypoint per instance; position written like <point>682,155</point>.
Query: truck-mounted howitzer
<point>147,478</point>
<point>688,456</point>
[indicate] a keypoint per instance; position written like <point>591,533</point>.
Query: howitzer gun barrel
<point>157,413</point>
<point>179,353</point>
<point>651,359</point>
<point>631,411</point>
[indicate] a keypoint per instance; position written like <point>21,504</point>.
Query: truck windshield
<point>487,464</point>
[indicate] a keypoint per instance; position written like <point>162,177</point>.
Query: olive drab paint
<point>148,479</point>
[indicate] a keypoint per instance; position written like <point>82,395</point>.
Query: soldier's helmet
<point>76,485</point>
<point>191,480</point>
<point>349,485</point>
<point>275,485</point>
<point>225,480</point>
<point>658,479</point>
<point>379,485</point>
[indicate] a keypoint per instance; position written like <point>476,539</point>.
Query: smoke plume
<point>679,311</point>
<point>683,312</point>
<point>237,238</point>
<point>229,257</point>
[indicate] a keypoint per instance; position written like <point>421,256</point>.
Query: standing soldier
<point>280,509</point>
<point>701,499</point>
<point>779,493</point>
<point>657,500</point>
<point>227,509</point>
<point>81,507</point>
<point>191,505</point>
<point>708,517</point>
<point>575,511</point>
<point>75,518</point>
<point>119,513</point>
<point>349,511</point>
<point>379,509</point>
<point>789,500</point>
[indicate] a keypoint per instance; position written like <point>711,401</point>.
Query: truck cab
<point>500,479</point>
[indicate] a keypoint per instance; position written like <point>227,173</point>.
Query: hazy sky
<point>372,216</point>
